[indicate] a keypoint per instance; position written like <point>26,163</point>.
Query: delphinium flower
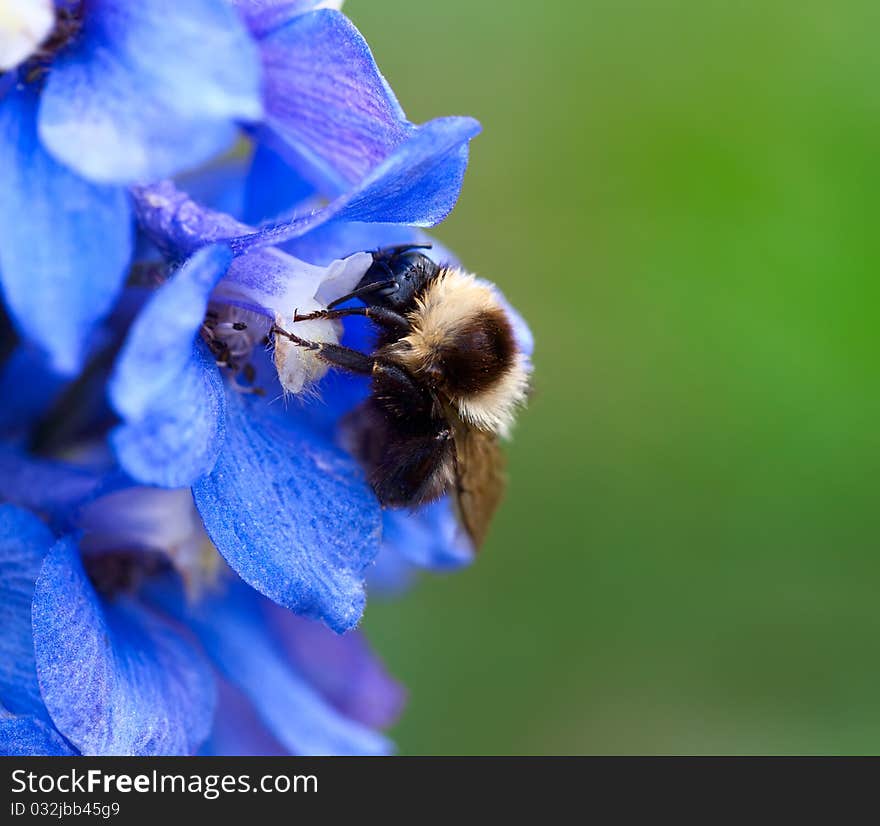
<point>244,453</point>
<point>128,636</point>
<point>94,97</point>
<point>168,427</point>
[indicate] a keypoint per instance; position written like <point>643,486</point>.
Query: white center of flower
<point>24,25</point>
<point>281,286</point>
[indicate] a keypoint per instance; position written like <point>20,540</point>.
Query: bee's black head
<point>396,276</point>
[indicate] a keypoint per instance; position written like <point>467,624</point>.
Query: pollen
<point>299,369</point>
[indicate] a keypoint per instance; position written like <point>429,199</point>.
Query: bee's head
<point>395,277</point>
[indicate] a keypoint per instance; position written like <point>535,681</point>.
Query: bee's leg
<point>395,389</point>
<point>405,444</point>
<point>352,360</point>
<point>385,318</point>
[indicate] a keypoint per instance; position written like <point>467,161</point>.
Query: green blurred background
<point>681,198</point>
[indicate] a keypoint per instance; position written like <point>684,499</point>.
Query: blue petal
<point>65,243</point>
<point>159,346</point>
<point>27,386</point>
<point>291,513</point>
<point>30,737</point>
<point>116,679</point>
<point>176,223</point>
<point>391,575</point>
<point>268,281</point>
<point>179,225</point>
<point>335,395</point>
<point>146,519</point>
<point>273,283</point>
<point>337,239</point>
<point>150,89</point>
<point>420,183</point>
<point>273,187</point>
<point>233,632</point>
<point>180,436</point>
<point>220,185</point>
<point>326,102</point>
<point>431,537</point>
<point>55,489</point>
<point>341,666</point>
<point>24,541</point>
<point>417,184</point>
<point>238,730</point>
<point>261,16</point>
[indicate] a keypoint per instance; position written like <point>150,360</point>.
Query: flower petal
<point>417,184</point>
<point>55,489</point>
<point>30,737</point>
<point>291,513</point>
<point>268,281</point>
<point>145,519</point>
<point>430,537</point>
<point>219,185</point>
<point>274,283</point>
<point>342,667</point>
<point>233,631</point>
<point>24,541</point>
<point>160,344</point>
<point>337,239</point>
<point>180,435</point>
<point>391,575</point>
<point>65,243</point>
<point>262,16</point>
<point>273,187</point>
<point>238,730</point>
<point>326,101</point>
<point>115,677</point>
<point>176,223</point>
<point>150,89</point>
<point>27,386</point>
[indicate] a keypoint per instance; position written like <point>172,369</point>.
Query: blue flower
<point>144,297</point>
<point>329,113</point>
<point>182,424</point>
<point>119,92</point>
<point>123,93</point>
<point>289,511</point>
<point>103,652</point>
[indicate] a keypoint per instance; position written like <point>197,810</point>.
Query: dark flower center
<point>123,572</point>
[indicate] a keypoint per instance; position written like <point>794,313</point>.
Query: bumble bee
<point>447,377</point>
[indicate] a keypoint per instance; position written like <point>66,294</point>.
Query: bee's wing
<point>479,480</point>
